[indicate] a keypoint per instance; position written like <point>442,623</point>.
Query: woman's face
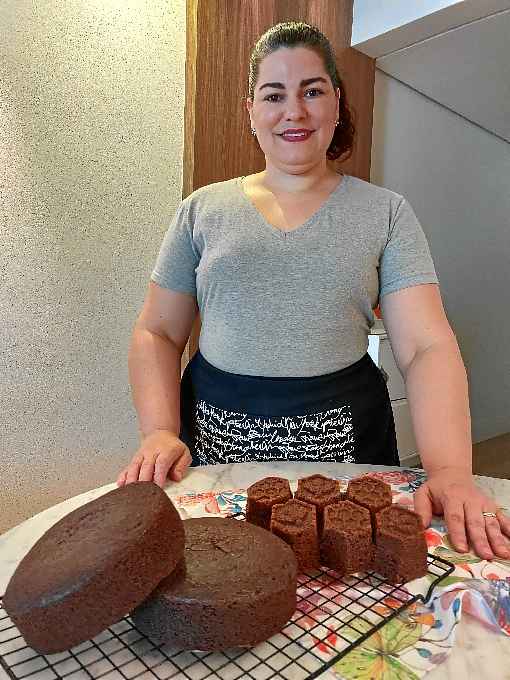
<point>294,92</point>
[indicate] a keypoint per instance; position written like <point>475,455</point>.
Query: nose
<point>295,108</point>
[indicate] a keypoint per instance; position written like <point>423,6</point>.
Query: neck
<point>297,181</point>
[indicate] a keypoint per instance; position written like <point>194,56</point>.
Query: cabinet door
<point>396,386</point>
<point>405,436</point>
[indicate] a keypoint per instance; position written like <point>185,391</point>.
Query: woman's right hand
<point>161,454</point>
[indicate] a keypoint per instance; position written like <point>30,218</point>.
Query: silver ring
<point>489,514</point>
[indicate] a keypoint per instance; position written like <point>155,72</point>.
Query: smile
<point>296,136</point>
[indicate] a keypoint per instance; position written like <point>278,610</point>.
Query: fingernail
<point>463,547</point>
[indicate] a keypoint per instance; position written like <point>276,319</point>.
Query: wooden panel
<point>220,34</point>
<point>189,102</point>
<point>358,73</point>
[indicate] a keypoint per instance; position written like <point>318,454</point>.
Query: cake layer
<point>235,587</point>
<point>93,566</point>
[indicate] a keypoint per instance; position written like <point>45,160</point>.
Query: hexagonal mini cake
<point>261,497</point>
<point>401,548</point>
<point>370,492</point>
<point>346,544</point>
<point>319,491</point>
<point>296,523</point>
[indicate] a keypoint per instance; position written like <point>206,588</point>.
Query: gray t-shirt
<point>297,303</point>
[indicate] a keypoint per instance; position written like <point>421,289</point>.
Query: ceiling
<point>457,58</point>
<point>373,17</point>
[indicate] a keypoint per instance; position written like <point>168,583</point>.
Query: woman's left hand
<point>452,493</point>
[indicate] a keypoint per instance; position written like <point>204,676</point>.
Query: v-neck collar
<point>286,234</point>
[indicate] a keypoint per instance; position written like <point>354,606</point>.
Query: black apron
<point>342,417</point>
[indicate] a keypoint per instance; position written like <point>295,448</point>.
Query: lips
<point>298,135</point>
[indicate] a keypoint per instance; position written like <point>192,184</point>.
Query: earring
<point>337,122</point>
<point>253,132</point>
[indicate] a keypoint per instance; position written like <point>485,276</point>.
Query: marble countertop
<point>476,650</point>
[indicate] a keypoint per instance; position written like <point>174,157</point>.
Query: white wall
<point>373,17</point>
<point>456,177</point>
<point>91,140</point>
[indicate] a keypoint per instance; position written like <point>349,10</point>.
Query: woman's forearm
<point>154,373</point>
<point>437,391</point>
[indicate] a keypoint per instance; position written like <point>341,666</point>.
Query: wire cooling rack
<point>334,615</point>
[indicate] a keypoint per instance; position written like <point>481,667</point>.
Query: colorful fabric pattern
<point>420,637</point>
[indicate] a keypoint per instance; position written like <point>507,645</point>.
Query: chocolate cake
<point>236,586</point>
<point>296,523</point>
<point>261,497</point>
<point>346,544</point>
<point>319,491</point>
<point>370,492</point>
<point>93,566</point>
<point>401,548</point>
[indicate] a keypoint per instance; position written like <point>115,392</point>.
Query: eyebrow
<point>303,83</point>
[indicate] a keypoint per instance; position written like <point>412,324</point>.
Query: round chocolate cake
<point>236,586</point>
<point>93,566</point>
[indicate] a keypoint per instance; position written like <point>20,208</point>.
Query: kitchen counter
<point>477,648</point>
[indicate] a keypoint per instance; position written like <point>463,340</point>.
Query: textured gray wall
<point>456,177</point>
<point>91,139</point>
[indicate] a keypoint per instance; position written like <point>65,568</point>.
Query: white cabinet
<point>396,385</point>
<point>405,435</point>
<point>380,350</point>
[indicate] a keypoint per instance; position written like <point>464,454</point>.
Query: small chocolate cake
<point>261,497</point>
<point>401,548</point>
<point>93,566</point>
<point>319,491</point>
<point>370,492</point>
<point>236,586</point>
<point>296,523</point>
<point>346,545</point>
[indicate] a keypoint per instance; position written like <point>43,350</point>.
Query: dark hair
<point>299,34</point>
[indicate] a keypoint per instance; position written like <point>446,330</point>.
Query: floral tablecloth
<point>420,637</point>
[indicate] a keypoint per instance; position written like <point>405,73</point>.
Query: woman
<point>286,267</point>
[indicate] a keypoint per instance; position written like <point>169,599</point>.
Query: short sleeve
<point>406,260</point>
<point>178,256</point>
